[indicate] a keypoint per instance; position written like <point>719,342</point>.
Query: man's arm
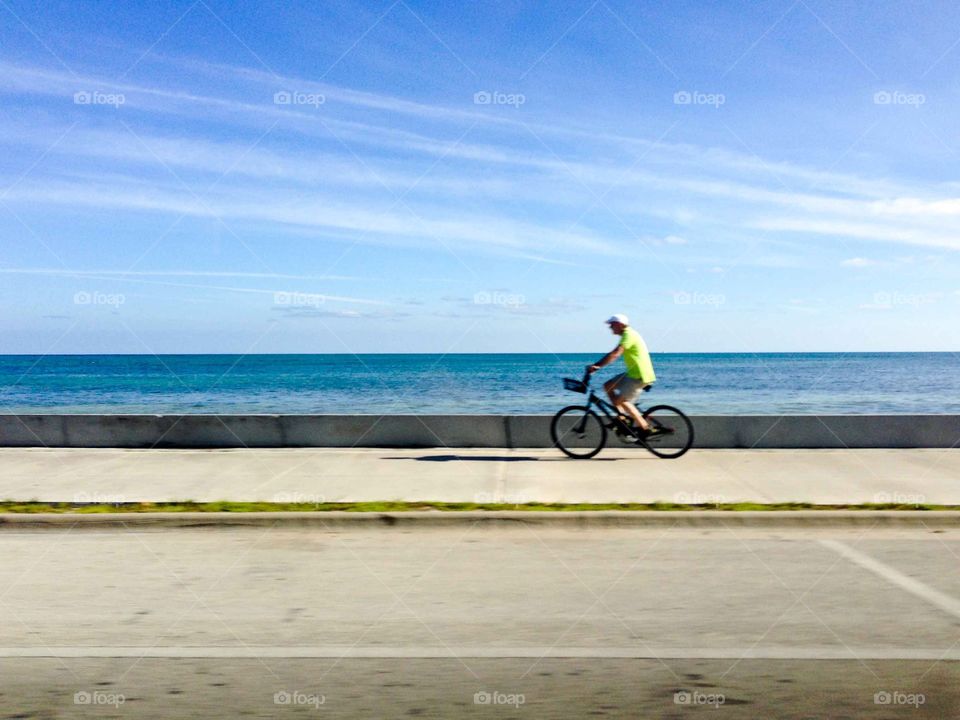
<point>607,359</point>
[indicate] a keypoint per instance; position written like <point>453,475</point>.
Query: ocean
<point>699,383</point>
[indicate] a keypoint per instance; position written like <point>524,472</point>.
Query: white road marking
<point>779,652</point>
<point>905,582</point>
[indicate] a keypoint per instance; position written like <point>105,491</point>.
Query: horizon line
<point>454,354</point>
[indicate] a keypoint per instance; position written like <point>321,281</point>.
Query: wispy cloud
<point>357,181</point>
<point>857,262</point>
<point>133,277</point>
<point>55,272</point>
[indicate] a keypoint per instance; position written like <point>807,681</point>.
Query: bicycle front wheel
<point>673,432</point>
<point>578,432</point>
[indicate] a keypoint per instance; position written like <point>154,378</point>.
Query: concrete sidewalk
<point>479,475</point>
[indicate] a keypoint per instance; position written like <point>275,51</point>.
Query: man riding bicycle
<point>624,388</point>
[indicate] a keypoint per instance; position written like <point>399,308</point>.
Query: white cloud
<point>378,222</point>
<point>347,165</point>
<point>862,230</point>
<point>57,272</point>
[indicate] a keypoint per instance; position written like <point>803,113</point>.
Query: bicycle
<point>579,432</point>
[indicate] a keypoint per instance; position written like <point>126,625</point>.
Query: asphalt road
<point>545,623</point>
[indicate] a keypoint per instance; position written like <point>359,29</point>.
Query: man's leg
<point>623,407</point>
<point>631,409</point>
<point>609,385</point>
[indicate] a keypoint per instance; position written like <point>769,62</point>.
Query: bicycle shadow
<point>489,458</point>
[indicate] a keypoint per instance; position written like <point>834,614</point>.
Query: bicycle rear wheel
<point>674,432</point>
<point>578,432</point>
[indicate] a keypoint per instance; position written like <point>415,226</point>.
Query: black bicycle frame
<point>608,410</point>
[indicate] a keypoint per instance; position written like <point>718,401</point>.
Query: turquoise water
<point>700,383</point>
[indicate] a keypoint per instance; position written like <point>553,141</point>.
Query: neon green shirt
<point>636,356</point>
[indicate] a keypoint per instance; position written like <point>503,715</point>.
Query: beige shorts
<point>627,388</point>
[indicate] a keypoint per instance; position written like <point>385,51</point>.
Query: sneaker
<point>626,437</point>
<point>654,430</point>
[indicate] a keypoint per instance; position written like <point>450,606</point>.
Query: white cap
<point>618,318</point>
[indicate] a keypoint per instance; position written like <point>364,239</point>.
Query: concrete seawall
<point>495,431</point>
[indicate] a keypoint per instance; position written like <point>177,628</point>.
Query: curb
<point>416,520</point>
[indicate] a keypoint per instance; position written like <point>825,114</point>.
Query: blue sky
<point>478,177</point>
